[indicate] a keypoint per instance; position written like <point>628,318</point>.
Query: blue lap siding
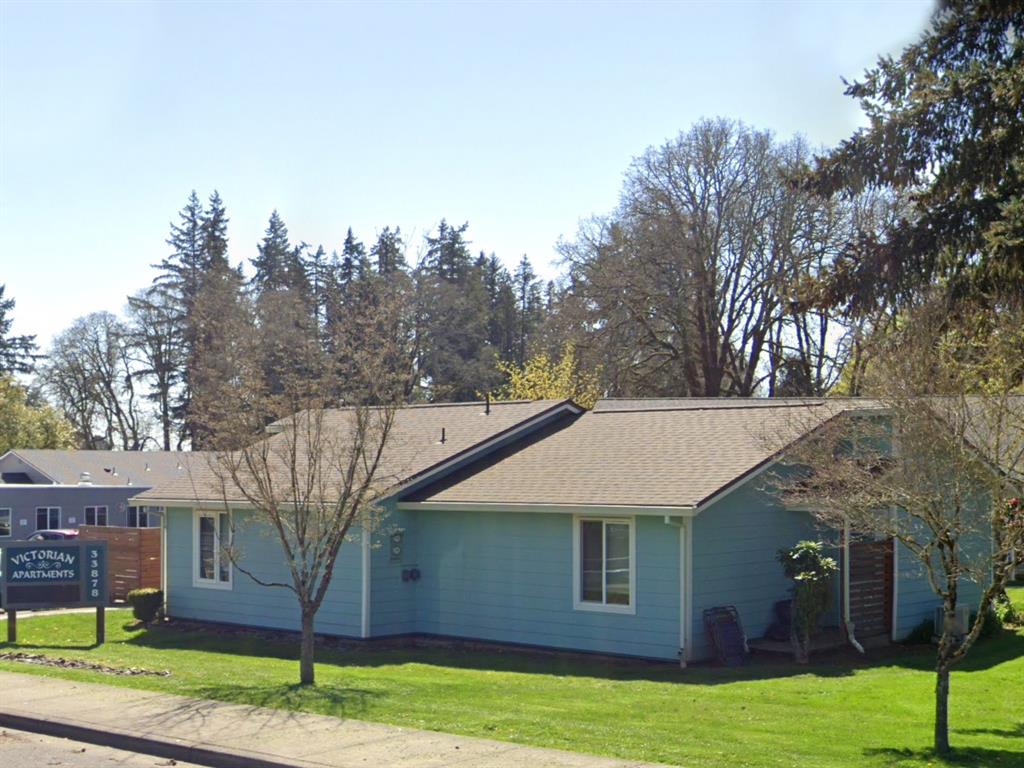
<point>247,602</point>
<point>735,544</point>
<point>509,577</point>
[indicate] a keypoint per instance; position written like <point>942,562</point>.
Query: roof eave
<point>582,509</point>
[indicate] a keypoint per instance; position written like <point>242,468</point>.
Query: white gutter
<point>846,588</point>
<point>591,509</point>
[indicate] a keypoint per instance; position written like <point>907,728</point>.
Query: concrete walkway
<point>232,735</point>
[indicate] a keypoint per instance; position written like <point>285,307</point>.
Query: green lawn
<point>846,713</point>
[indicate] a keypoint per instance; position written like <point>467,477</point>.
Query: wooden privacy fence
<point>133,557</point>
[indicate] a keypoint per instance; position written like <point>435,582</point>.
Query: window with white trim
<point>47,518</point>
<point>95,515</point>
<point>143,517</point>
<point>604,553</point>
<point>211,566</point>
<point>5,523</point>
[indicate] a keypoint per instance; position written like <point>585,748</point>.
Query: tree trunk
<point>801,645</point>
<point>942,709</point>
<point>306,674</point>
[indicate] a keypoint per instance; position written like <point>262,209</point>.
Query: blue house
<point>537,524</point>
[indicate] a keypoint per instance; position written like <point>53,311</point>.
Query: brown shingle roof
<point>665,453</point>
<point>413,448</point>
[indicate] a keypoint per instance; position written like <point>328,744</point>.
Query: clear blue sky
<point>518,118</point>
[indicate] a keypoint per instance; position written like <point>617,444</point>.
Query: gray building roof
<point>135,468</point>
<point>413,448</point>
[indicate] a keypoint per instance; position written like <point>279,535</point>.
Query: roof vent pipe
<point>487,405</point>
<point>85,479</point>
<point>442,436</point>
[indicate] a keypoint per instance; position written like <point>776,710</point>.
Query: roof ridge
<point>737,407</point>
<point>468,403</point>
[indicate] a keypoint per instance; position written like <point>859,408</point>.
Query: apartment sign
<point>51,574</point>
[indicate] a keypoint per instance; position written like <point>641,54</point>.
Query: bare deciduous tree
<point>314,479</point>
<point>703,281</point>
<point>933,462</point>
<point>93,375</point>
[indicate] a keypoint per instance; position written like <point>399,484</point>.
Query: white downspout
<point>846,587</point>
<point>364,618</point>
<point>683,602</point>
<point>163,559</point>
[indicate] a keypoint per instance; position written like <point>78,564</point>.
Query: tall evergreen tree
<point>198,240</point>
<point>274,254</point>
<point>353,266</point>
<point>318,276</point>
<point>529,306</point>
<point>448,254</point>
<point>17,353</point>
<point>284,309</point>
<point>180,273</point>
<point>389,252</point>
<point>225,346</point>
<point>215,232</point>
<point>501,305</point>
<point>944,126</point>
<point>457,362</point>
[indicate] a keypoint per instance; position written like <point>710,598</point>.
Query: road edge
<point>174,749</point>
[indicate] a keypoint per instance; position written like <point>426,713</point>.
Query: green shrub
<point>922,634</point>
<point>811,573</point>
<point>146,603</point>
<point>1006,613</point>
<point>991,626</point>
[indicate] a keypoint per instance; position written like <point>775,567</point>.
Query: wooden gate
<point>871,587</point>
<point>133,557</point>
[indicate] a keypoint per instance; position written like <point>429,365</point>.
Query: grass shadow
<point>1005,645</point>
<point>5,646</point>
<point>968,757</point>
<point>478,656</point>
<point>323,698</point>
<point>1016,732</point>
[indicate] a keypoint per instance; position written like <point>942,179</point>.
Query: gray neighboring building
<point>51,489</point>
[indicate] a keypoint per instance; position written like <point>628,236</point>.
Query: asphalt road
<point>18,749</point>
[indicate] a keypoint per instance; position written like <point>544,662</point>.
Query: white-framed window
<point>143,517</point>
<point>95,515</point>
<point>604,564</point>
<point>210,565</point>
<point>47,518</point>
<point>5,523</point>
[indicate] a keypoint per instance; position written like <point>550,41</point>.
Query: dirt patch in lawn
<point>91,666</point>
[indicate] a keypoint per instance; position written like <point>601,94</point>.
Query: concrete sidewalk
<point>233,735</point>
